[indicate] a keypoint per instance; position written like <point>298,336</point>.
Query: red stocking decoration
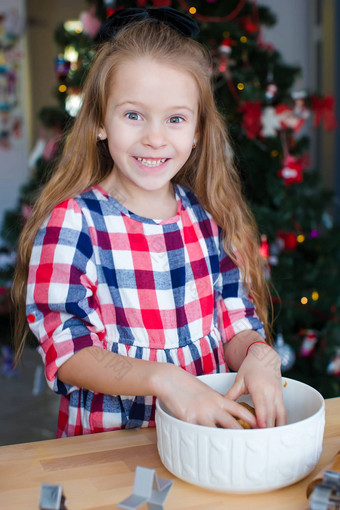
<point>292,170</point>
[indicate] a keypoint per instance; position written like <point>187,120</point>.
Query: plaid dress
<point>159,290</point>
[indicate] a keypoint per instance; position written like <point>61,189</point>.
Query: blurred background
<point>276,73</point>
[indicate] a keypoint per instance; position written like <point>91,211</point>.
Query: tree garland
<point>215,19</point>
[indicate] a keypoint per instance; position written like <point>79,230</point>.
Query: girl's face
<point>150,124</point>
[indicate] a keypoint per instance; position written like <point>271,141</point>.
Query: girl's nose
<point>154,136</point>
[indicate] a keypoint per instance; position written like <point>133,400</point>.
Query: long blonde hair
<point>209,172</point>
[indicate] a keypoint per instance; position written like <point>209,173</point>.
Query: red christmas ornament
<point>249,25</point>
<point>292,170</point>
<point>110,11</point>
<point>308,343</point>
<point>264,252</point>
<point>264,247</point>
<point>226,45</point>
<point>251,121</point>
<point>289,240</point>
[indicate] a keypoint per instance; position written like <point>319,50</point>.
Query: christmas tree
<point>265,113</point>
<point>41,162</point>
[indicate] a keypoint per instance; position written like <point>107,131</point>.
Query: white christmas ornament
<point>334,366</point>
<point>285,352</point>
<point>270,122</point>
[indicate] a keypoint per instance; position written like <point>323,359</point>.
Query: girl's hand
<point>260,375</point>
<point>189,399</point>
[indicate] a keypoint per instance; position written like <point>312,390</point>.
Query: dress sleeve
<point>235,310</point>
<point>62,309</point>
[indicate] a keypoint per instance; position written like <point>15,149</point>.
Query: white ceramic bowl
<point>250,460</point>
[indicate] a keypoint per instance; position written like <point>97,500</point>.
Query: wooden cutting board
<point>333,465</point>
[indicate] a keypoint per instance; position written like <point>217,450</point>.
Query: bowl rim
<point>217,430</point>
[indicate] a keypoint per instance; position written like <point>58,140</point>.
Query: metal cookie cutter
<point>148,488</point>
<point>52,497</point>
<point>326,495</point>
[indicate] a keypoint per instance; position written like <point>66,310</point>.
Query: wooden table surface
<point>97,472</point>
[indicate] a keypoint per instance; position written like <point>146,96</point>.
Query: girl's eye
<point>133,116</point>
<point>176,120</point>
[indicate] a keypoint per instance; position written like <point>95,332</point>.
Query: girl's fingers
<point>226,421</point>
<point>261,414</point>
<point>222,413</point>
<point>236,390</point>
<point>220,418</point>
<point>270,418</point>
<point>269,413</point>
<point>281,416</point>
<point>239,411</point>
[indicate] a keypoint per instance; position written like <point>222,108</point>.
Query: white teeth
<point>151,162</point>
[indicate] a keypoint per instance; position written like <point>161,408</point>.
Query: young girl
<point>140,263</point>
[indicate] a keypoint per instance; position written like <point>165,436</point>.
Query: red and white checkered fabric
<point>159,290</point>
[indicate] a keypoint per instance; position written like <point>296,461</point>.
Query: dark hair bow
<point>177,20</point>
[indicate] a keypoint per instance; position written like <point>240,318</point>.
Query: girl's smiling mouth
<point>151,162</point>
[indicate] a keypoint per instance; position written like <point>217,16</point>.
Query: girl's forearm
<point>106,372</point>
<point>186,397</point>
<point>235,350</point>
